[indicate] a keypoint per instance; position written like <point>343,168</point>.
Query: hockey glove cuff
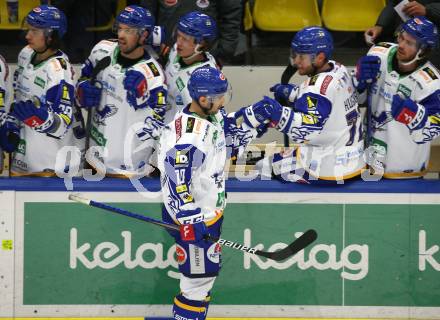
<point>408,112</point>
<point>9,133</point>
<point>367,72</point>
<point>39,118</point>
<point>285,93</point>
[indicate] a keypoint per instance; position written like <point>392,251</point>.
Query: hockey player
<point>194,36</point>
<point>192,159</point>
<point>127,99</point>
<point>404,89</point>
<point>321,116</point>
<point>43,85</point>
<point>9,131</point>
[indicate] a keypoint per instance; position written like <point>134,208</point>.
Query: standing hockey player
<point>9,131</point>
<point>127,98</point>
<point>404,99</point>
<point>43,85</point>
<point>321,116</point>
<point>194,36</point>
<point>192,159</point>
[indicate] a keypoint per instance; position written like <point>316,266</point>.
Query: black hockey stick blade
<point>296,246</point>
<point>288,73</point>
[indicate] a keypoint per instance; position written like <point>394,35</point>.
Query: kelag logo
<point>134,257</point>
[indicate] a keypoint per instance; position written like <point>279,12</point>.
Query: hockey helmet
<point>48,17</point>
<point>136,17</point>
<point>423,30</point>
<point>207,82</point>
<point>198,25</point>
<point>312,40</point>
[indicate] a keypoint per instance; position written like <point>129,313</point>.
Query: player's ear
<point>203,101</point>
<point>144,36</point>
<point>321,58</point>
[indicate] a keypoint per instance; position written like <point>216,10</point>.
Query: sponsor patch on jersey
<point>197,259</point>
<point>181,158</point>
<point>198,127</point>
<point>430,72</point>
<point>181,188</point>
<point>190,124</point>
<point>39,82</point>
<point>214,252</point>
<point>178,125</point>
<point>98,137</point>
<point>21,148</point>
<point>63,63</point>
<point>325,84</point>
<point>2,98</point>
<point>405,90</point>
<point>313,80</point>
<point>181,255</point>
<point>153,69</point>
<point>186,197</point>
<point>179,83</point>
<point>384,44</point>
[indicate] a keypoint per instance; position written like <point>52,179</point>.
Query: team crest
<point>202,3</point>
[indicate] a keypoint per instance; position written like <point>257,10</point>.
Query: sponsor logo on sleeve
<point>431,73</point>
<point>181,255</point>
<point>178,125</point>
<point>325,84</point>
<point>190,124</point>
<point>153,69</point>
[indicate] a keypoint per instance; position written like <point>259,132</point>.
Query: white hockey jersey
<point>51,82</point>
<point>192,159</point>
<point>403,152</point>
<point>117,128</point>
<point>326,122</point>
<point>177,77</point>
<point>5,96</point>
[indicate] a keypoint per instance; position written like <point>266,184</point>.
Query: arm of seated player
<point>422,119</point>
<point>285,94</point>
<point>308,116</point>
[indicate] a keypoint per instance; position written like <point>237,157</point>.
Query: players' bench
<point>256,152</point>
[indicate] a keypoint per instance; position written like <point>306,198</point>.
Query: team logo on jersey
<point>202,3</point>
<point>181,255</point>
<point>312,103</point>
<point>214,252</point>
<point>190,124</point>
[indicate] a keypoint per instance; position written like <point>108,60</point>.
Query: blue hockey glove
<point>87,94</point>
<point>265,111</point>
<point>285,93</point>
<point>367,72</point>
<point>39,118</point>
<point>9,133</point>
<point>408,112</point>
<point>137,89</point>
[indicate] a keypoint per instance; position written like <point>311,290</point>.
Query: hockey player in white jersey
<point>321,115</point>
<point>9,131</point>
<point>192,159</point>
<point>43,84</point>
<point>404,97</point>
<point>194,35</point>
<point>127,98</point>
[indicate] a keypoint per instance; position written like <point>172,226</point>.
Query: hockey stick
<point>299,244</point>
<point>285,78</point>
<point>100,65</point>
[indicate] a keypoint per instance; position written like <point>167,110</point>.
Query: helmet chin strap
<point>417,57</point>
<point>196,52</point>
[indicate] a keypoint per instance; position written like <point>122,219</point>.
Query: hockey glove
<point>9,133</point>
<point>39,118</point>
<point>367,72</point>
<point>285,93</point>
<point>87,94</point>
<point>265,111</point>
<point>192,229</point>
<point>137,89</point>
<point>408,112</point>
